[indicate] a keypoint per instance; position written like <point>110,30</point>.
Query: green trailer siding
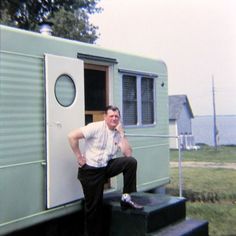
<point>23,124</point>
<point>22,109</point>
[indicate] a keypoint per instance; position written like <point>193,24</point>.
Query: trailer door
<point>64,112</point>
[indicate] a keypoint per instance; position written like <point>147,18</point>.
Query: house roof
<point>176,104</point>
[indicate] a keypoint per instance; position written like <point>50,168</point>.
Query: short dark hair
<point>113,108</point>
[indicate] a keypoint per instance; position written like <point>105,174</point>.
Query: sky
<point>195,38</point>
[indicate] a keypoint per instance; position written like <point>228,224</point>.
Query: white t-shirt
<point>101,143</point>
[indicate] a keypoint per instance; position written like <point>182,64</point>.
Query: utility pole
<point>215,131</point>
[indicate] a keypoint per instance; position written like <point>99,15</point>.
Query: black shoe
<point>130,204</point>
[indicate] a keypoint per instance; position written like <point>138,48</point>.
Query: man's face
<point>112,119</point>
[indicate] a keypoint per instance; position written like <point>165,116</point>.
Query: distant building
<point>180,121</point>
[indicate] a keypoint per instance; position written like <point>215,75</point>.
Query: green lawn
<point>221,217</point>
<point>206,153</point>
<point>211,193</point>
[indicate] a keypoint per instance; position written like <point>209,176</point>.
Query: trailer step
<point>188,227</point>
<point>159,211</point>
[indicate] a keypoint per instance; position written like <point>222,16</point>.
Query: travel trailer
<point>50,86</point>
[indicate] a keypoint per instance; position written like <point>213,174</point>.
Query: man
<point>102,141</point>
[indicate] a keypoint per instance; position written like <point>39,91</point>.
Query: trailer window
<point>65,90</point>
<point>129,100</point>
<point>138,100</point>
<point>147,101</point>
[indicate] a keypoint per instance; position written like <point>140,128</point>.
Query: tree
<point>74,26</point>
<point>70,17</point>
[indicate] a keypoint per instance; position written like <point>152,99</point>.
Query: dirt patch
<point>204,164</point>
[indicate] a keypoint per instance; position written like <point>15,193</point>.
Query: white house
<point>180,121</point>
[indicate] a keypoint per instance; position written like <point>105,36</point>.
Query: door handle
<point>58,124</point>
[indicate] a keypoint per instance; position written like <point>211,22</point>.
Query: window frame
<point>139,77</point>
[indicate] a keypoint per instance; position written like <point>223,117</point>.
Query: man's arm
<point>125,147</point>
<point>74,138</point>
<point>124,144</point>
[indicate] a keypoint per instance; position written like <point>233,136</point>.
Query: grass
<point>206,153</point>
<point>211,193</point>
<point>221,217</point>
<point>220,183</point>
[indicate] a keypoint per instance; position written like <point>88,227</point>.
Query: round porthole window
<point>65,90</point>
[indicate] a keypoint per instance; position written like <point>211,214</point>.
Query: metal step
<point>188,227</point>
<point>159,211</point>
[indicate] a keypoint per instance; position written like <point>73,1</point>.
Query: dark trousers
<point>93,180</point>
